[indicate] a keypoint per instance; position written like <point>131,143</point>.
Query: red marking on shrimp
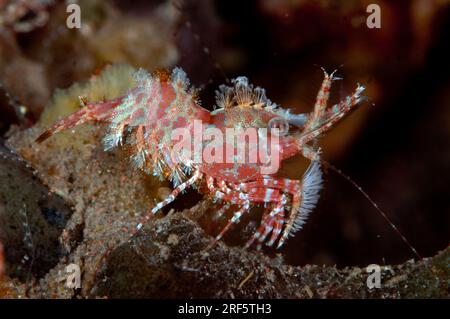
<point>161,103</point>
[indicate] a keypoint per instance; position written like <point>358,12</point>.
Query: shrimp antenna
<point>382,213</point>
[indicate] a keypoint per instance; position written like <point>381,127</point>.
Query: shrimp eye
<point>278,126</point>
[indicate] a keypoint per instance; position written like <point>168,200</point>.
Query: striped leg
<point>296,200</point>
<point>210,184</point>
<point>234,220</point>
<point>262,232</point>
<point>257,195</point>
<point>277,227</point>
<point>257,192</point>
<point>301,206</point>
<point>223,192</point>
<point>267,224</point>
<point>91,112</point>
<point>331,117</point>
<point>291,186</point>
<point>197,175</point>
<point>236,195</point>
<point>224,187</point>
<point>276,222</point>
<point>321,100</point>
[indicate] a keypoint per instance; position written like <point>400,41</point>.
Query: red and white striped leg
<point>321,100</point>
<point>91,112</point>
<point>222,192</point>
<point>234,194</point>
<point>329,118</point>
<point>277,227</point>
<point>224,187</point>
<point>285,185</point>
<point>275,224</point>
<point>288,186</point>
